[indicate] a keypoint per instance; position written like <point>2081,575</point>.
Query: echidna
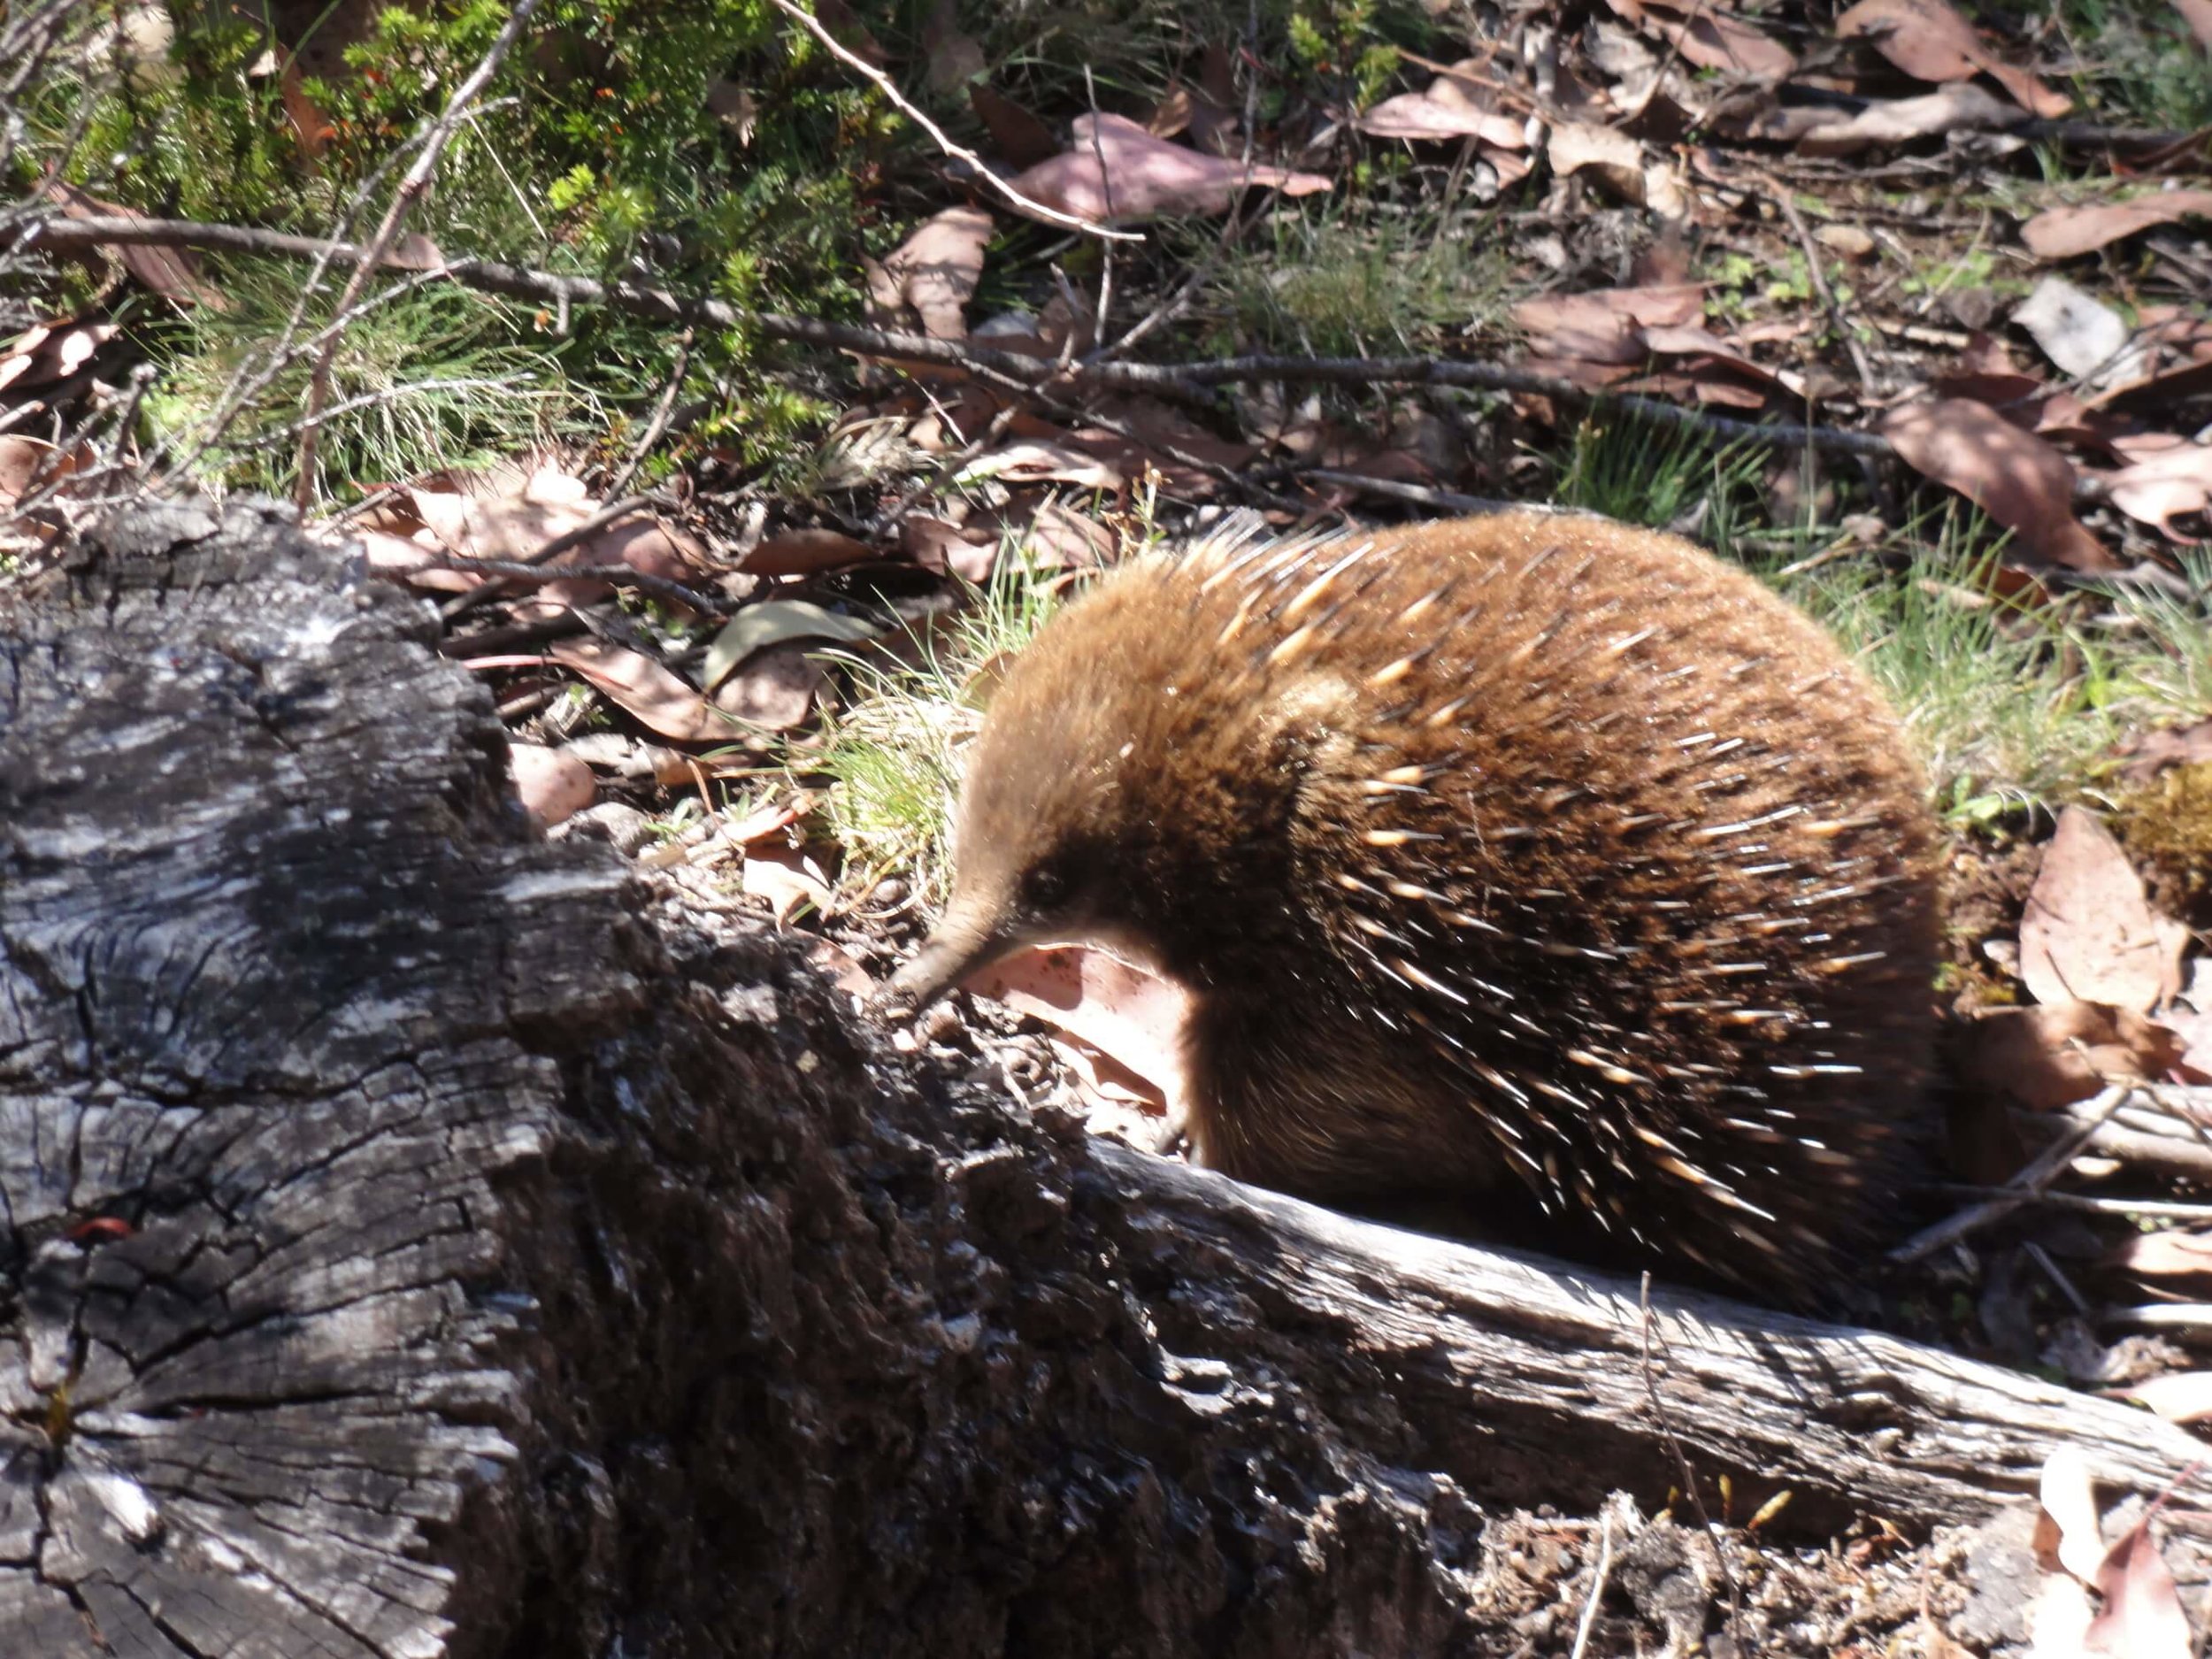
<point>1525,851</point>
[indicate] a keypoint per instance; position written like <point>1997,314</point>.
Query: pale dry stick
<point>1106,195</point>
<point>1597,1582</point>
<point>938,135</point>
<point>410,188</point>
<point>2141,1209</point>
<point>2163,1316</point>
<point>1781,194</point>
<point>2023,1188</point>
<point>1682,1463</point>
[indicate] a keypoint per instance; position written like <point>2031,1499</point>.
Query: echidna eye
<point>1044,888</point>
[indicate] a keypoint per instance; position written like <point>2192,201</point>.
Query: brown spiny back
<point>1524,851</point>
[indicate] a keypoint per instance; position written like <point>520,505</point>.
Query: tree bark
<point>419,1243</point>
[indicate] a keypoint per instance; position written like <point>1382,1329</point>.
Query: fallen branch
<point>1188,382</point>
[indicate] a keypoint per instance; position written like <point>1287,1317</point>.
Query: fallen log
<point>421,1241</point>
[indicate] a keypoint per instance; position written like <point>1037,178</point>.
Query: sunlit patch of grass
<point>430,378</point>
<point>894,753</point>
<point>1348,285</point>
<point>2136,62</point>
<point>2005,705</point>
<point>1647,473</point>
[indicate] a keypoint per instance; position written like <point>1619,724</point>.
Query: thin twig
<point>619,509</point>
<point>1106,192</point>
<point>938,135</point>
<point>615,575</point>
<point>410,188</point>
<point>2024,1188</point>
<point>1779,194</point>
<point>1190,383</point>
<point>2143,1208</point>
<point>1682,1463</point>
<point>1418,494</point>
<point>658,424</point>
<point>1597,1583</point>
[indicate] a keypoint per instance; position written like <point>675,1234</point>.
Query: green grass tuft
<point>894,752</point>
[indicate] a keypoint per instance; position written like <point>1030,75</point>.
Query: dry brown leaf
<point>1712,37</point>
<point>554,784</point>
<point>28,462</point>
<point>1021,138</point>
<point>1452,106</point>
<point>172,272</point>
<point>938,546</point>
<point>657,698</point>
<point>1713,360</point>
<point>936,269</point>
<point>1605,324</point>
<point>803,552</point>
<point>1146,177</point>
<point>788,880</point>
<point>2142,1617</point>
<point>2159,390</point>
<point>2172,1253</point>
<point>775,688</point>
<point>510,514</point>
<point>413,252</point>
<point>1057,539</point>
<point>2171,746</point>
<point>2067,1534</point>
<point>1036,460</point>
<point>1612,155</point>
<point>1960,107</point>
<point>2016,478</point>
<point>1930,42</point>
<point>1135,1017</point>
<point>2053,1055</point>
<point>2062,233</point>
<point>2088,934</point>
<point>950,59</point>
<point>2179,1396</point>
<point>2161,484</point>
<point>43,355</point>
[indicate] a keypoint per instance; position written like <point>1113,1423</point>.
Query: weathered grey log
<point>414,1246</point>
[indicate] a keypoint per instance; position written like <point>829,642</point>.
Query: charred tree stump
<point>416,1244</point>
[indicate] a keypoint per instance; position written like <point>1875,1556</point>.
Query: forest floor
<point>1907,309</point>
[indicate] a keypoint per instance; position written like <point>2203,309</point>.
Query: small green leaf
<point>773,622</point>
